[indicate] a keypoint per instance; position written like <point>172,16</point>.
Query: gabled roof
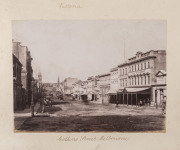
<point>161,73</point>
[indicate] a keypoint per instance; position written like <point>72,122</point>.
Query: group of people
<point>45,101</point>
<point>144,102</point>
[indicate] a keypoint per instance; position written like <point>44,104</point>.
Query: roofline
<point>106,74</point>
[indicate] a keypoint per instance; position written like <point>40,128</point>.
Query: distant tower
<point>40,81</point>
<point>40,77</point>
<point>58,84</point>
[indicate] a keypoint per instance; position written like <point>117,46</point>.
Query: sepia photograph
<point>89,75</point>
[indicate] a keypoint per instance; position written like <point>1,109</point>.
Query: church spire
<point>58,80</point>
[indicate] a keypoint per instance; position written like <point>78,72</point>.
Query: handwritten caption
<point>91,138</point>
<point>69,5</point>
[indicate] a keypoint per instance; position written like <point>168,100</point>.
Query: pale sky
<point>82,49</point>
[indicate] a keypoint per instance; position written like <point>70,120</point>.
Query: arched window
<point>148,64</point>
<point>148,79</point>
<point>129,80</point>
<point>145,79</point>
<point>141,80</point>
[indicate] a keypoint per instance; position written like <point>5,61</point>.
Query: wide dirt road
<point>74,116</point>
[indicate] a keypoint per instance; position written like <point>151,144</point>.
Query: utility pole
<point>124,52</point>
<point>32,99</point>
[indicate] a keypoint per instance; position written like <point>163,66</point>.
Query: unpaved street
<point>73,115</point>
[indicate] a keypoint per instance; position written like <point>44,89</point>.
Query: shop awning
<point>120,90</point>
<point>112,92</point>
<point>135,90</point>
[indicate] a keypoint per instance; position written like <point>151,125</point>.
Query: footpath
<point>21,116</point>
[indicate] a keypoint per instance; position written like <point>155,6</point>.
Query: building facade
<point>19,102</point>
<point>138,79</point>
<point>24,56</point>
<point>104,85</point>
<point>114,84</point>
<point>68,85</point>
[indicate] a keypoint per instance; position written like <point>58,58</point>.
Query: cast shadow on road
<point>96,123</point>
<point>52,109</point>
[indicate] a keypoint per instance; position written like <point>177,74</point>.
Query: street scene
<point>69,78</point>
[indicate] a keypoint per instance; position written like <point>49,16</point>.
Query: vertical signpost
<point>32,99</point>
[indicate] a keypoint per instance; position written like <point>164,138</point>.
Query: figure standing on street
<point>164,106</point>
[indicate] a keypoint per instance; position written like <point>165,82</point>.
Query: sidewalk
<point>21,115</point>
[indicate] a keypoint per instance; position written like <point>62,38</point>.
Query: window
<point>138,66</point>
<point>145,65</point>
<point>131,80</point>
<point>17,73</point>
<point>145,79</point>
<point>141,80</point>
<point>132,68</point>
<point>141,66</point>
<point>126,70</point>
<point>138,79</point>
<point>135,80</point>
<point>148,64</point>
<point>148,79</point>
<point>14,70</point>
<point>123,71</point>
<point>135,67</point>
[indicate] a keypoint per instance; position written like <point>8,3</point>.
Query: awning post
<point>131,99</point>
<point>127,99</point>
<point>123,98</point>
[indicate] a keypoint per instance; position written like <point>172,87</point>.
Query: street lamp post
<point>32,99</point>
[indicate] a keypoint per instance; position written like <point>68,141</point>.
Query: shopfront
<point>133,96</point>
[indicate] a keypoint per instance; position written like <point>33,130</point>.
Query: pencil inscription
<point>67,5</point>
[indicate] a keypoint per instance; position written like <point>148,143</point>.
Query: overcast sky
<point>85,48</point>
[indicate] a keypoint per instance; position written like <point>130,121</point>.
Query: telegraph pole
<point>32,99</point>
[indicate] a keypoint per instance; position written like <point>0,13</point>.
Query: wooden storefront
<point>132,96</point>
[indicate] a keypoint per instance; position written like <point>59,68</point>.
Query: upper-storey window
<point>138,66</point>
<point>148,79</point>
<point>141,66</point>
<point>148,64</point>
<point>14,70</point>
<point>145,65</point>
<point>126,70</point>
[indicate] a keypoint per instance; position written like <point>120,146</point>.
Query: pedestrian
<point>148,102</point>
<point>141,102</point>
<point>117,102</point>
<point>164,106</point>
<point>144,102</point>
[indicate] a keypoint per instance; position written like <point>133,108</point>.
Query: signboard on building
<point>161,77</point>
